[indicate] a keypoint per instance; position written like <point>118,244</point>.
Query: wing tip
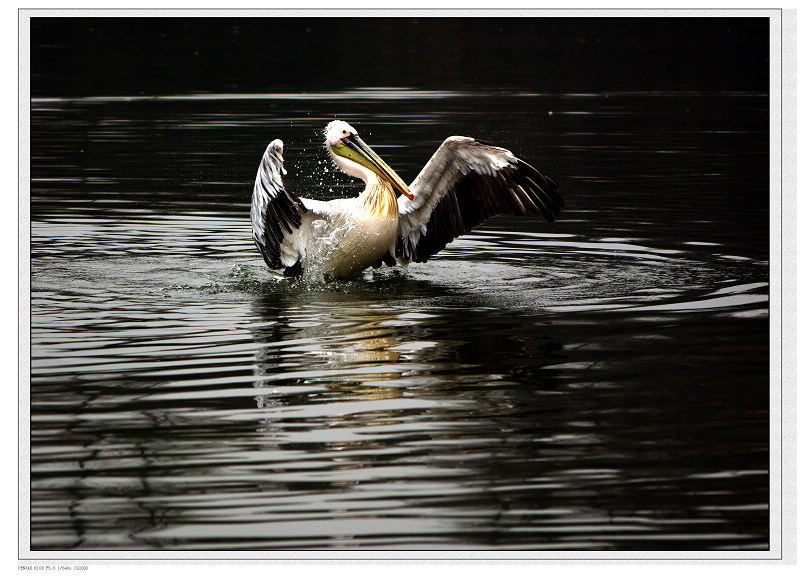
<point>553,201</point>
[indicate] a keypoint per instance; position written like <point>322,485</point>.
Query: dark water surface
<point>596,383</point>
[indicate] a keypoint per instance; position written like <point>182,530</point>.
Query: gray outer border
<point>783,356</point>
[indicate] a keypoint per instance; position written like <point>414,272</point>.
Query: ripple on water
<point>179,399</point>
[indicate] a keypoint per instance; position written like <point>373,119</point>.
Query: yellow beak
<point>355,149</point>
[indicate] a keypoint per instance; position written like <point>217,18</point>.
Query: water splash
<point>325,238</point>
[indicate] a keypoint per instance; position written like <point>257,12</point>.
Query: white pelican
<point>464,183</point>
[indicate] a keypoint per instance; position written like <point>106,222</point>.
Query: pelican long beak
<point>355,149</point>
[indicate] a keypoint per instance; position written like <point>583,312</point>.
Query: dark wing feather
<point>465,183</point>
<point>275,210</point>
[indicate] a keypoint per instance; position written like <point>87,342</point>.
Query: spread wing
<point>276,213</point>
<point>465,183</point>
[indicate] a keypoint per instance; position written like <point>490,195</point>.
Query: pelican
<point>464,183</point>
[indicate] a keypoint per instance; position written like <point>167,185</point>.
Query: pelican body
<point>464,183</point>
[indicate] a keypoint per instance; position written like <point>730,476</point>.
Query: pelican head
<point>353,156</point>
